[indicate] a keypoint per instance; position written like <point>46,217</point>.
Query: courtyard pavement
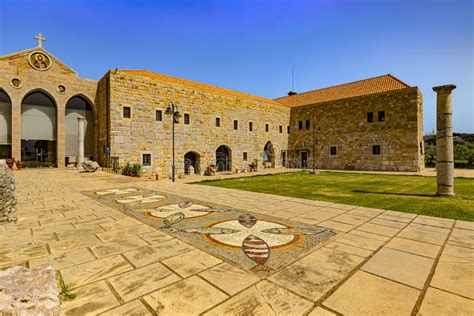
<point>379,263</point>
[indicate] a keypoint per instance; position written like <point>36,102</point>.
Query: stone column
<point>60,136</point>
<point>444,140</point>
<point>80,121</point>
<point>16,128</point>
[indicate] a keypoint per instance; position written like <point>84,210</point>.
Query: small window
<point>381,116</point>
<point>281,129</point>
<point>376,150</point>
<point>308,124</point>
<point>127,112</point>
<point>236,124</point>
<point>266,127</point>
<point>300,124</point>
<point>186,118</point>
<point>333,150</point>
<point>370,117</point>
<point>245,156</point>
<point>288,129</point>
<point>218,121</point>
<point>250,126</point>
<point>159,115</point>
<point>146,160</point>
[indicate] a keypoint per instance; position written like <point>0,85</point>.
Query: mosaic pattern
<point>256,242</point>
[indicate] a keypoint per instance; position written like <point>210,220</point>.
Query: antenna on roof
<point>292,91</point>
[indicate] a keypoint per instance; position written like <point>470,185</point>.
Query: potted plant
<point>253,166</point>
<point>19,164</point>
<point>10,162</point>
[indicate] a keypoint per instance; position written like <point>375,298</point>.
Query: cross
<point>40,39</point>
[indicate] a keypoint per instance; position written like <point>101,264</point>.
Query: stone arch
<point>39,129</point>
<point>5,125</point>
<point>223,158</point>
<point>192,159</point>
<point>268,155</point>
<point>79,106</point>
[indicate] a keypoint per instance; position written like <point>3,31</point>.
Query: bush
<point>463,164</point>
<point>132,170</point>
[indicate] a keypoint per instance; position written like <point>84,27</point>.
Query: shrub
<point>132,170</point>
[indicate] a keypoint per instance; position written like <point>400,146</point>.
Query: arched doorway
<point>223,158</point>
<point>192,163</point>
<point>268,155</point>
<point>5,126</point>
<point>38,130</point>
<point>78,107</point>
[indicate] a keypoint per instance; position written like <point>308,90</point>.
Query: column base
<point>444,194</point>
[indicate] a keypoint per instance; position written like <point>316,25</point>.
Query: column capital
<point>445,89</point>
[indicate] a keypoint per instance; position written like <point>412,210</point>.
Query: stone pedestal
<point>444,140</point>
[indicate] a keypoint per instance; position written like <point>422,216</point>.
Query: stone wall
<point>343,124</point>
<point>7,195</point>
<point>129,138</point>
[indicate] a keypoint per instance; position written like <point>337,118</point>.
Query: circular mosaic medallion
<point>61,89</point>
<point>39,60</point>
<point>16,83</point>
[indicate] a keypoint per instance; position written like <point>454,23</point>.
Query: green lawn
<point>411,194</point>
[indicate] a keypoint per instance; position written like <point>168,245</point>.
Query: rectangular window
<point>186,118</point>
<point>300,124</point>
<point>250,126</point>
<point>308,124</point>
<point>127,112</point>
<point>218,121</point>
<point>245,156</point>
<point>333,150</point>
<point>376,150</point>
<point>288,129</point>
<point>281,129</point>
<point>159,115</point>
<point>370,117</point>
<point>381,116</point>
<point>146,160</point>
<point>266,127</point>
<point>236,124</point>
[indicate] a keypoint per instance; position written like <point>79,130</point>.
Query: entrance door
<point>223,158</point>
<point>304,159</point>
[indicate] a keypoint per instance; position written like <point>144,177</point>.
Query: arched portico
<point>5,125</point>
<point>38,130</point>
<point>79,106</point>
<point>192,163</point>
<point>223,158</point>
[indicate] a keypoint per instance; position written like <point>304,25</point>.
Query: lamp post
<point>173,111</point>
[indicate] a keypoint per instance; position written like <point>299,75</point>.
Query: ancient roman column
<point>444,140</point>
<point>80,121</point>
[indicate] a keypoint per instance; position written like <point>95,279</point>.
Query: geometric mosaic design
<point>256,242</point>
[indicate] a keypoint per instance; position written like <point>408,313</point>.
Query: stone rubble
<point>29,291</point>
<point>7,194</point>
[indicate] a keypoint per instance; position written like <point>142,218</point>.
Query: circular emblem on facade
<point>16,83</point>
<point>61,89</point>
<point>39,60</point>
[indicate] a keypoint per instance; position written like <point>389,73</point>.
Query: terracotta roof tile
<point>196,85</point>
<point>353,89</point>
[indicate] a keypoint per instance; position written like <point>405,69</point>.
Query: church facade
<point>373,124</point>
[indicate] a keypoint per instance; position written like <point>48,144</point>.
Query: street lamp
<point>173,111</point>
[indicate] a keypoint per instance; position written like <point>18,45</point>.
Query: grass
<point>410,194</point>
<point>66,293</point>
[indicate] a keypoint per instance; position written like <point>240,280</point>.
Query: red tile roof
<point>352,89</point>
<point>196,85</point>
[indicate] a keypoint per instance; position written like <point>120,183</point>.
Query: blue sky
<point>251,45</point>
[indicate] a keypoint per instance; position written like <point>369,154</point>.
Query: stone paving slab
<point>380,262</point>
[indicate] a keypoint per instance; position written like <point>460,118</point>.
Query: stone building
<point>373,124</point>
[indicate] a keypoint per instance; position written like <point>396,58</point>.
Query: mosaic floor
<point>256,242</point>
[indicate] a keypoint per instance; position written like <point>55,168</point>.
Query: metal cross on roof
<point>40,39</point>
